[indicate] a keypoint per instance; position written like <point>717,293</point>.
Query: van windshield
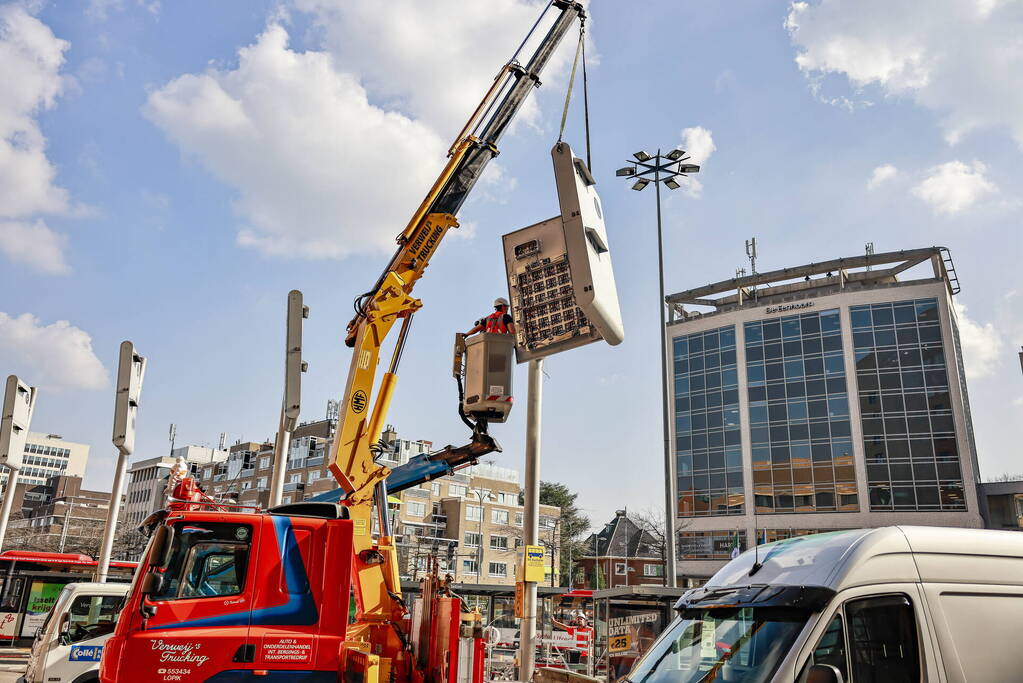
<point>721,644</point>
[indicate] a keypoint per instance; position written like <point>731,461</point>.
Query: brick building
<point>620,554</point>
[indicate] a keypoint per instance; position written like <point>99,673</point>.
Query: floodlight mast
<point>657,169</point>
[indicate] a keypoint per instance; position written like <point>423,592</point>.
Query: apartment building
<point>471,521</point>
<point>46,456</point>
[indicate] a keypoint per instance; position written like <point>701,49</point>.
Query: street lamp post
<point>479,548</point>
<point>657,169</point>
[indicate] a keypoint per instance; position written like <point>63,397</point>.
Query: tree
<point>574,524</point>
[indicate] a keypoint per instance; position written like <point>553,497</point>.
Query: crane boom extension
<point>378,634</point>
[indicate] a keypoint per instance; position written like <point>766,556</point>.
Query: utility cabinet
<point>488,375</point>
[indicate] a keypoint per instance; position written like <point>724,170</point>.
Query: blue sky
<point>170,170</point>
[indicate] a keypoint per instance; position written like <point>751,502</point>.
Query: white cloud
<point>320,172</point>
<point>881,174</point>
<point>982,345</point>
<point>698,142</point>
<point>433,60</point>
<point>30,61</point>
<point>57,356</point>
<point>955,57</point>
<point>35,245</point>
<point>954,186</point>
<point>330,152</point>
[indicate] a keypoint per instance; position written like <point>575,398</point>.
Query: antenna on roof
<point>751,252</point>
<point>869,249</point>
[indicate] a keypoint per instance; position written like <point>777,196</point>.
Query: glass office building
<point>820,397</point>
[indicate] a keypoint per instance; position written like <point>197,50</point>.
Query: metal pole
<point>531,518</point>
<point>63,531</point>
<point>9,492</point>
<point>669,479</point>
<point>281,445</point>
<point>113,512</point>
<point>479,545</point>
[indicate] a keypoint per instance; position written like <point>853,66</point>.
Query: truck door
<point>196,619</point>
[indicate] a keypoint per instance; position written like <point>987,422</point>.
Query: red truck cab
<point>237,596</point>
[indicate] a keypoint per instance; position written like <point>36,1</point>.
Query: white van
<point>69,644</point>
<point>889,605</point>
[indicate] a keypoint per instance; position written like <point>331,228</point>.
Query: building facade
<point>819,397</point>
<point>66,518</point>
<point>49,455</point>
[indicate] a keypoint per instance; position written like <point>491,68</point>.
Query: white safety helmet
<point>501,301</point>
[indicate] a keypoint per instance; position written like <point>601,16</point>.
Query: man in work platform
<point>500,321</point>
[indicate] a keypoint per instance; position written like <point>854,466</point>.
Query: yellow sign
<point>619,643</point>
<point>520,591</point>
<point>533,569</point>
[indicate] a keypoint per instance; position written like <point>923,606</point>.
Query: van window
<point>207,560</point>
<point>831,649</point>
<point>92,616</point>
<point>882,640</point>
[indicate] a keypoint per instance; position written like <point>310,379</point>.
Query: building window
<point>246,485</point>
<point>498,542</point>
<point>264,462</point>
<point>314,475</point>
<point>285,499</point>
<point>435,488</point>
<point>547,522</point>
<point>472,539</point>
<point>415,509</point>
<point>518,519</point>
<point>295,478</point>
<point>772,535</point>
<point>457,490</point>
<point>261,483</point>
<point>800,436</point>
<point>711,545</point>
<point>653,570</point>
<point>707,430</point>
<point>470,567</point>
<point>909,436</point>
<point>620,568</point>
<point>499,516</point>
<point>505,498</point>
<point>474,513</point>
<point>498,569</point>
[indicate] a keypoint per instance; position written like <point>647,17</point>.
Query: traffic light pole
<point>531,519</point>
<point>131,370</point>
<point>294,366</point>
<point>15,418</point>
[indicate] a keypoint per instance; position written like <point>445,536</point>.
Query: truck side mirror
<point>152,583</point>
<point>163,542</point>
<point>824,673</point>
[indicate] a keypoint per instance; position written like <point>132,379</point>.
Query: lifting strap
<point>580,50</point>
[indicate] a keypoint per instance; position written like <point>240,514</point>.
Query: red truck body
<point>241,596</point>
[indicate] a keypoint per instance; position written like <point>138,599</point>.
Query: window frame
<point>811,644</point>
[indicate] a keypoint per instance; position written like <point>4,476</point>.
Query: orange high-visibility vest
<point>495,323</point>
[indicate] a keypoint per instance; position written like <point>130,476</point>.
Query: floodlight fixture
<point>688,168</point>
<point>672,185</point>
<point>642,156</point>
<point>676,154</point>
<point>640,184</point>
<point>626,171</point>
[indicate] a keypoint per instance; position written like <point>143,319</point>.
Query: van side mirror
<point>824,673</point>
<point>62,629</point>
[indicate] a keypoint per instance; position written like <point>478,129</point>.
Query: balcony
<point>296,486</point>
<point>314,462</point>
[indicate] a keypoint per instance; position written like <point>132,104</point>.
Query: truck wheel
<point>88,677</point>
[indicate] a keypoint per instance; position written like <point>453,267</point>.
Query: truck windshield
<point>721,644</point>
<point>207,560</point>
